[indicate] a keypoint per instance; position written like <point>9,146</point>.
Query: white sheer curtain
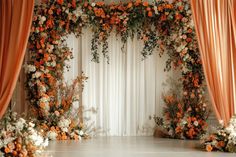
<point>125,92</point>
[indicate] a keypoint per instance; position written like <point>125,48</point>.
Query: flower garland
<point>223,139</point>
<point>19,137</point>
<point>161,25</point>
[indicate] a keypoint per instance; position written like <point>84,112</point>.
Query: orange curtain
<point>232,5</point>
<point>15,22</point>
<point>215,27</point>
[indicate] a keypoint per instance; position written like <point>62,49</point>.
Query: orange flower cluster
<point>184,126</point>
<point>15,149</point>
<point>99,12</point>
<point>220,142</point>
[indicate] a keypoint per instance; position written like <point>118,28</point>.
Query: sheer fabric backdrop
<point>125,92</point>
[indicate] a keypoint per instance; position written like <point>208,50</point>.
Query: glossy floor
<point>129,147</point>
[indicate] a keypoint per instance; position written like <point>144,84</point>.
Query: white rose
<point>52,135</point>
<point>67,11</point>
<point>37,74</point>
<point>64,129</point>
<point>81,133</point>
<point>43,18</point>
<point>1,144</point>
<point>155,9</point>
<point>10,127</point>
<point>20,124</point>
<point>45,144</point>
<point>31,124</point>
<point>221,122</point>
<point>30,68</point>
<point>93,4</point>
<point>195,123</point>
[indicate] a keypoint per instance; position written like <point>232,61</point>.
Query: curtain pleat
<point>215,27</point>
<point>15,22</point>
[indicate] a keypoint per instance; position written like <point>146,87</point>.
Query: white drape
<point>126,92</point>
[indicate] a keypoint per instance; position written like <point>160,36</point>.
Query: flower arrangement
<point>19,137</point>
<point>179,120</point>
<point>223,139</point>
<point>160,25</point>
<point>62,121</point>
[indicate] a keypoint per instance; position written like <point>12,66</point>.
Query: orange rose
<point>99,12</point>
<point>160,8</point>
<point>178,16</point>
<point>145,4</point>
<point>50,11</point>
<point>73,3</point>
<point>121,8</point>
<point>18,146</point>
<point>14,153</point>
<point>179,115</point>
<point>221,144</point>
<point>46,57</point>
<point>181,8</point>
<point>106,26</point>
<point>42,105</point>
<point>169,6</point>
<point>41,29</point>
<point>130,5</point>
<point>178,129</point>
<point>163,17</point>
<point>138,2</point>
<point>7,150</point>
<point>209,148</point>
<point>150,14</point>
<point>60,2</point>
<point>49,23</point>
<point>191,133</point>
<point>190,30</point>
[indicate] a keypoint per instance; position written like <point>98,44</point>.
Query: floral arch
<point>161,25</point>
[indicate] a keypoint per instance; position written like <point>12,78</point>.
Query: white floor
<point>129,147</point>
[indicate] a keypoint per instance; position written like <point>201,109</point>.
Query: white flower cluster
<point>29,68</point>
<point>231,130</point>
<point>78,12</point>
<point>35,137</point>
<point>19,128</point>
<point>37,74</point>
<point>20,124</point>
<point>52,135</point>
<point>42,19</point>
<point>155,9</point>
<point>64,124</point>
